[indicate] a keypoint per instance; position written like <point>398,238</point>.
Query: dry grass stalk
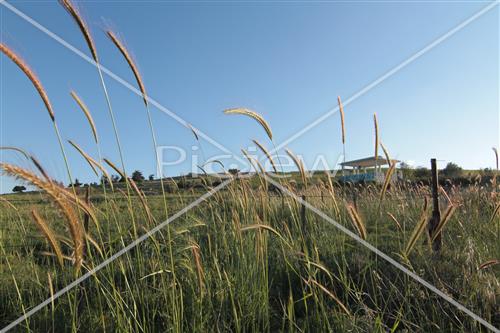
<point>395,221</point>
<point>94,244</point>
<point>31,76</point>
<point>298,164</point>
<point>194,132</point>
<point>496,156</point>
<point>123,50</point>
<point>266,152</point>
<point>31,158</point>
<point>49,235</point>
<point>56,192</point>
<point>494,180</point>
<point>441,189</point>
<point>357,221</point>
<point>332,295</point>
<point>259,226</point>
<point>92,163</point>
<point>51,290</point>
<point>342,119</point>
<point>375,123</point>
<point>75,229</point>
<point>38,165</point>
<point>87,158</point>
<point>495,211</point>
<point>419,229</point>
<point>8,203</point>
<point>331,190</point>
<point>73,11</point>
<point>257,166</point>
<point>254,162</point>
<point>387,181</point>
<point>86,111</point>
<point>114,167</point>
<point>252,114</point>
<point>16,149</point>
<point>488,263</point>
<point>386,153</point>
<point>142,198</point>
<point>195,249</point>
<point>444,220</point>
<point>141,195</point>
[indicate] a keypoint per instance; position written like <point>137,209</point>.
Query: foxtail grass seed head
<point>194,132</point>
<point>86,111</point>
<point>31,76</point>
<point>386,153</point>
<point>123,50</point>
<point>92,162</point>
<point>387,181</point>
<point>418,230</point>
<point>61,198</point>
<point>73,11</point>
<point>342,121</point>
<point>87,158</point>
<point>496,156</point>
<point>266,152</point>
<point>298,163</point>
<point>488,263</point>
<point>114,167</point>
<point>444,220</point>
<point>252,114</point>
<point>357,221</point>
<point>31,158</point>
<point>49,235</point>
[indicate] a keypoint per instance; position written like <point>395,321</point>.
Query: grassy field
<point>246,260</point>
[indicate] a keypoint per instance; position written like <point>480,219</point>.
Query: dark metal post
<point>436,214</point>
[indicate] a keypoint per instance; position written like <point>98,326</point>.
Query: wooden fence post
<point>436,214</point>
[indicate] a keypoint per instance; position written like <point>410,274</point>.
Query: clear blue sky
<point>286,60</point>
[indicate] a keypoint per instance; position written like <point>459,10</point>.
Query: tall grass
<point>23,66</point>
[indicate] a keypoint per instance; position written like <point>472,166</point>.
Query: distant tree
<point>234,172</point>
<point>486,172</point>
<point>18,189</point>
<point>151,177</point>
<point>452,170</point>
<point>406,170</point>
<point>77,183</point>
<point>115,178</point>
<point>137,176</point>
<point>404,165</point>
<point>421,172</point>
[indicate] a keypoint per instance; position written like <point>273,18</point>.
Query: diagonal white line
<point>114,256</point>
<point>114,76</point>
<point>385,256</point>
<point>388,74</point>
